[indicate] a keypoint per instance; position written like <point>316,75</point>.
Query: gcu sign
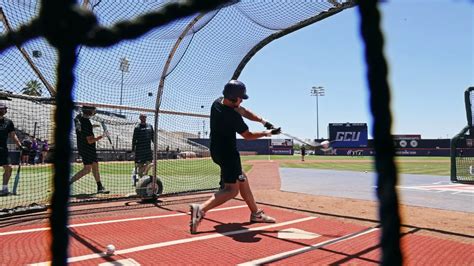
<point>348,136</point>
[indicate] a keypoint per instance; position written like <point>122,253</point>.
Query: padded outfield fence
<point>172,74</point>
<point>462,145</point>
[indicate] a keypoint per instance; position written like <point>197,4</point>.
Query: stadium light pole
<point>124,65</point>
<point>204,133</point>
<point>317,91</point>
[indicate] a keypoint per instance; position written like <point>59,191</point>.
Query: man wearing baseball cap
<point>141,145</point>
<point>226,121</point>
<point>7,129</point>
<point>86,145</point>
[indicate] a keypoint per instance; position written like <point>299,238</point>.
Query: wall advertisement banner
<point>348,134</point>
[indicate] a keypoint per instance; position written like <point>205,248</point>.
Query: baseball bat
<point>314,144</point>
<point>134,176</point>
<point>17,176</point>
<point>104,127</point>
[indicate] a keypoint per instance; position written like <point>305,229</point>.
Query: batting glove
<point>274,131</point>
<point>267,124</point>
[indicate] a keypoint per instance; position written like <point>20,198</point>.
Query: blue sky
<point>429,47</point>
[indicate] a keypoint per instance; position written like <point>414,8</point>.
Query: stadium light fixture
<point>317,91</point>
<point>124,67</point>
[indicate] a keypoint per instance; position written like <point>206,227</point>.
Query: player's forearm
<point>92,139</point>
<point>15,138</point>
<point>249,114</point>
<point>255,135</point>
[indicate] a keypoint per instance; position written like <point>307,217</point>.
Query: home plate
<point>293,233</point>
<point>126,262</point>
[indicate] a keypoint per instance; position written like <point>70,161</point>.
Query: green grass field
<point>185,175</point>
<point>408,165</point>
<point>177,176</point>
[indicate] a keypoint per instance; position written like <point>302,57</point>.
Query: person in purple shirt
<point>33,150</point>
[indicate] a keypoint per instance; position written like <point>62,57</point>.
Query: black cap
<point>234,89</point>
<point>88,108</point>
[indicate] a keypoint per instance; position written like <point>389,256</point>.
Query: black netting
<point>175,71</point>
<point>462,157</point>
<point>464,167</point>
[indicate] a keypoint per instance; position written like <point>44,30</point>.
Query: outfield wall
<point>422,147</point>
<point>260,146</point>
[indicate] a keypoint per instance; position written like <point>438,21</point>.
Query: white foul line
<point>180,241</point>
<point>290,253</point>
<point>113,221</point>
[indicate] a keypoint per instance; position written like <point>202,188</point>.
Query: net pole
<point>8,28</point>
<point>160,93</point>
<point>468,95</point>
<point>377,72</point>
<point>333,11</point>
<point>54,13</point>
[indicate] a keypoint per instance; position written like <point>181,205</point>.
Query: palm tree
<point>32,88</point>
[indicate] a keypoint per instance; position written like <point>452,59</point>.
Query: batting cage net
<point>138,103</point>
<point>462,146</point>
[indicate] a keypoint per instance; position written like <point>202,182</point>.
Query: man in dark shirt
<point>25,155</point>
<point>87,148</point>
<point>7,129</point>
<point>141,145</point>
<point>226,120</point>
<point>303,152</point>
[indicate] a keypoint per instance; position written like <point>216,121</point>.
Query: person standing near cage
<point>86,145</point>
<point>25,155</point>
<point>141,146</point>
<point>226,121</point>
<point>303,152</point>
<point>7,130</point>
<point>33,151</point>
<point>44,150</point>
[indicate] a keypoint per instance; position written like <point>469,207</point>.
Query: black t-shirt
<point>6,126</point>
<point>83,130</point>
<point>27,143</point>
<point>142,137</point>
<point>225,122</point>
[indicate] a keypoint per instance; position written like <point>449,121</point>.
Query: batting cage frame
<point>67,28</point>
<point>462,146</point>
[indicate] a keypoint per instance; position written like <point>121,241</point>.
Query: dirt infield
<point>441,223</point>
